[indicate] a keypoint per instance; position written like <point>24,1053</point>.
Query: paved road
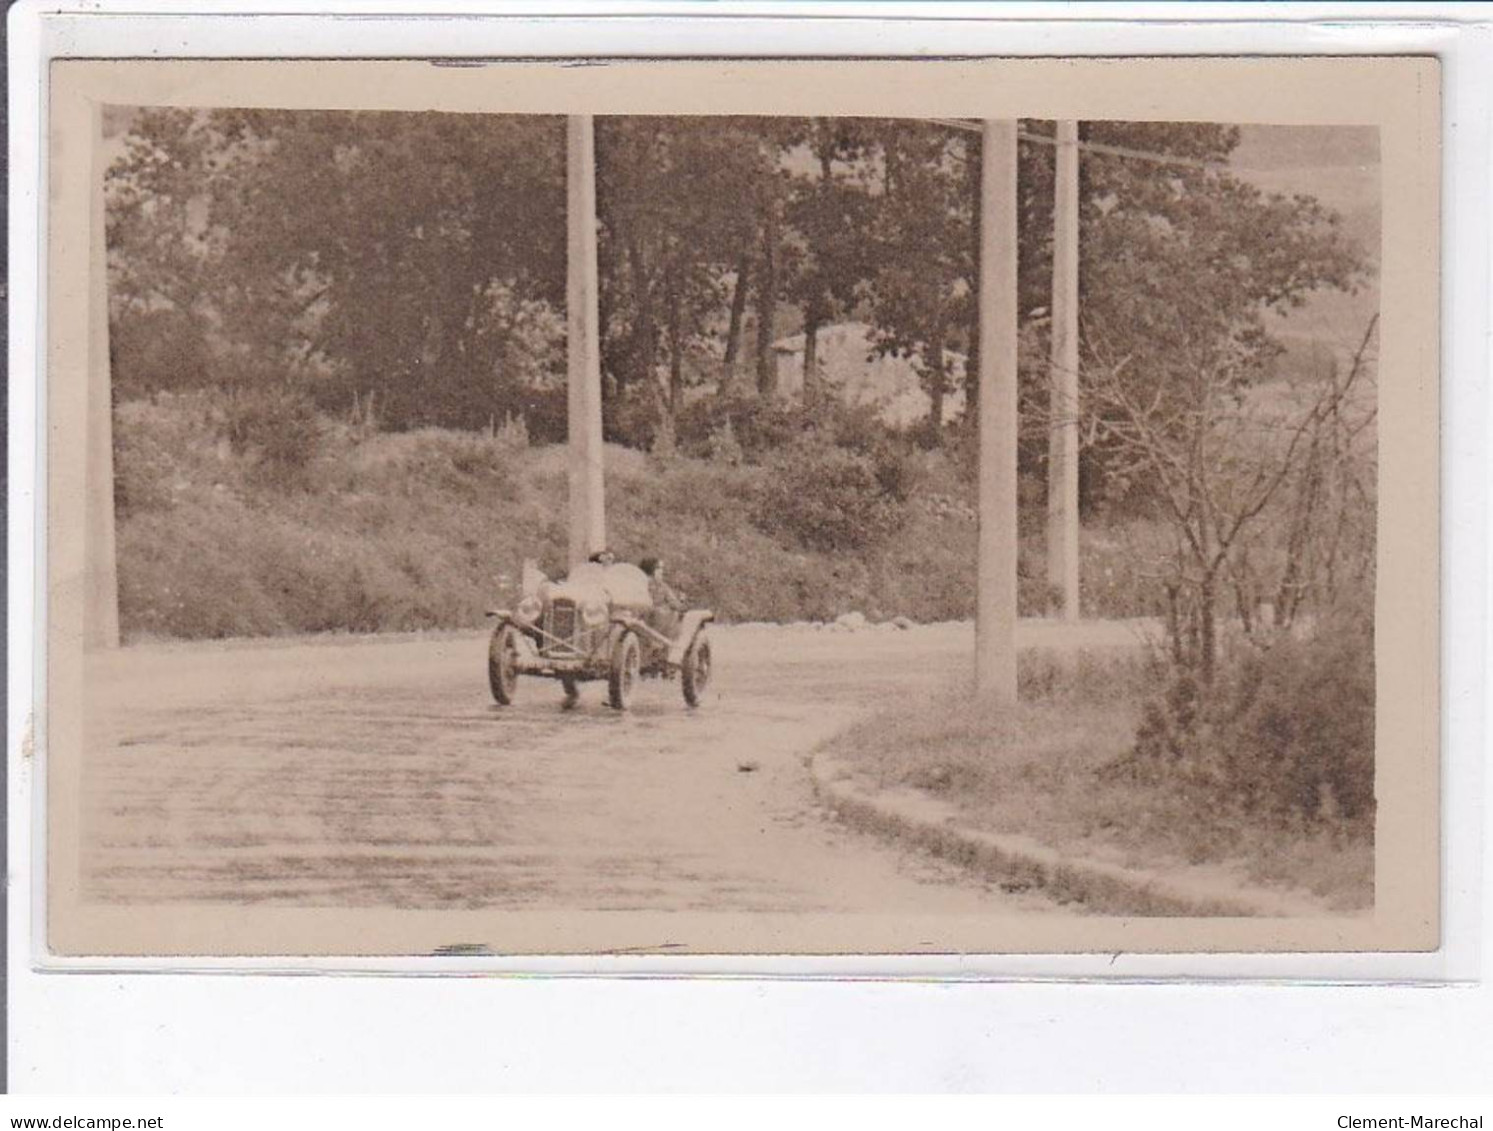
<point>378,773</point>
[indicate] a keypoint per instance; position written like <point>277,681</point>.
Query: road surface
<point>378,773</point>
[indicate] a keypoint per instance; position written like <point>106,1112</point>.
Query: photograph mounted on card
<point>742,508</point>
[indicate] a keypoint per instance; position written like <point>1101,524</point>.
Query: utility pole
<point>995,618</point>
<point>1062,440</point>
<point>583,346</point>
<point>101,592</point>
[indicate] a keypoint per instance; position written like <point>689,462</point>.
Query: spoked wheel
<point>572,688</point>
<point>627,662</point>
<point>502,663</point>
<point>694,675</point>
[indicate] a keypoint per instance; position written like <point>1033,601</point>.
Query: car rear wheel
<point>627,660</point>
<point>502,663</point>
<point>694,675</point>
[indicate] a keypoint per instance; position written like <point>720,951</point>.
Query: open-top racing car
<point>599,623</point>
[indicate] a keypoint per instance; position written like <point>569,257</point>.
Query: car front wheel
<point>694,675</point>
<point>627,661</point>
<point>502,663</point>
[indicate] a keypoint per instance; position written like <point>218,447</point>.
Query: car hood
<point>619,584</point>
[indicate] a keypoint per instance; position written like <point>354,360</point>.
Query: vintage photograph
<point>840,517</point>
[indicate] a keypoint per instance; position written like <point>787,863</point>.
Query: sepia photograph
<point>711,531</point>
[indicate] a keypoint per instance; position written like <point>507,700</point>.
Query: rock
<point>851,621</point>
<point>903,623</point>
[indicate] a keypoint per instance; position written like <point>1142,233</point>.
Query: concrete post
<point>995,623</point>
<point>1062,441</point>
<point>587,501</point>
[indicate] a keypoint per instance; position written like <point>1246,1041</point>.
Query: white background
<point>156,1032</point>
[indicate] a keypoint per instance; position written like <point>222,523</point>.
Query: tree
<point>163,253</point>
<point>418,258</point>
<point>1219,459</point>
<point>678,205</point>
<point>827,255</point>
<point>1185,265</point>
<point>923,217</point>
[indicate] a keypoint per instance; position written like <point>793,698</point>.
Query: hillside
<point>428,529</point>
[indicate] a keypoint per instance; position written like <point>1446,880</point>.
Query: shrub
<point>513,434</point>
<point>278,426</point>
<point>759,425</point>
<point>632,417</point>
<point>158,350</point>
<point>546,414</point>
<point>1296,727</point>
<point>722,446</point>
<point>1284,732</point>
<point>465,466</point>
<point>825,498</point>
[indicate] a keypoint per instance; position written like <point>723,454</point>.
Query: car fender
<point>691,624</point>
<point>505,616</point>
<point>622,623</point>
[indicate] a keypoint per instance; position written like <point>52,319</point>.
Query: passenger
<point>668,605</point>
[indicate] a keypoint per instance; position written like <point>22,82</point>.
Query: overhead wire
<point>1094,147</point>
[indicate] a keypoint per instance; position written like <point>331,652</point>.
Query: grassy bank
<point>1048,769</point>
<point>375,532</point>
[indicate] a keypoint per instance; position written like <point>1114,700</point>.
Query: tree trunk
<point>936,385</point>
<point>645,337</point>
<point>767,301</point>
<point>1207,630</point>
<point>738,311</point>
<point>676,347</point>
<point>811,359</point>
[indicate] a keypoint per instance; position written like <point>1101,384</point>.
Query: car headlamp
<point>594,612</point>
<point>528,610</point>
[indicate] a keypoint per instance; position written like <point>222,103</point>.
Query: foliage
<point>1285,736</point>
<point>277,426</point>
<point>417,529</point>
<point>759,426</point>
<point>1220,464</point>
<point>416,258</point>
<point>1049,769</point>
<point>825,497</point>
<point>675,197</point>
<point>923,237</point>
<point>826,255</point>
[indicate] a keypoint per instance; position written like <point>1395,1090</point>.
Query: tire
<point>502,664</point>
<point>572,690</point>
<point>627,660</point>
<point>694,674</point>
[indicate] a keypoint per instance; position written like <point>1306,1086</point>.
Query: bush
<point>632,417</point>
<point>825,498</point>
<point>1296,727</point>
<point>759,425</point>
<point>1285,732</point>
<point>158,350</point>
<point>546,414</point>
<point>276,425</point>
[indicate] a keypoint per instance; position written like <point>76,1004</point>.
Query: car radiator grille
<point>561,619</point>
<point>560,624</point>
